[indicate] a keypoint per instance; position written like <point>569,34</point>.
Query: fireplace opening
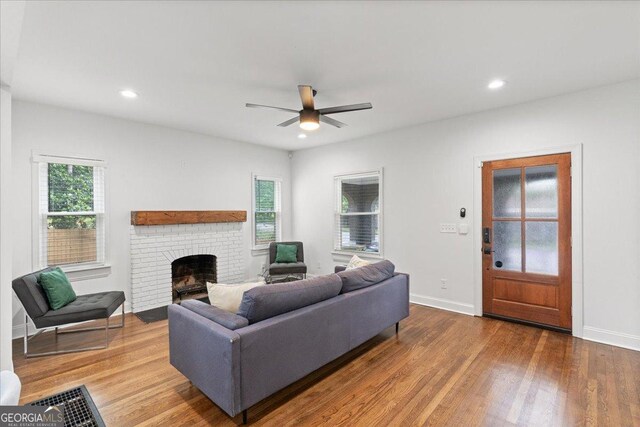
<point>189,276</point>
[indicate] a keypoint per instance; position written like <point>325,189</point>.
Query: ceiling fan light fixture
<point>309,117</point>
<point>309,125</point>
<point>309,120</point>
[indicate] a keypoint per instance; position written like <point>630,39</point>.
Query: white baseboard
<point>444,304</point>
<point>18,329</point>
<point>618,339</point>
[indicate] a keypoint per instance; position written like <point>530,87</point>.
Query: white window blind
<point>358,210</point>
<point>266,211</point>
<point>71,212</point>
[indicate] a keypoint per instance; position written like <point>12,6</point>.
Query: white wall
<point>428,177</point>
<point>6,362</point>
<point>149,168</point>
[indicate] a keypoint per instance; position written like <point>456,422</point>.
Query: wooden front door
<point>526,234</point>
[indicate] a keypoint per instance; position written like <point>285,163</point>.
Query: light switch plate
<point>463,228</point>
<point>448,228</point>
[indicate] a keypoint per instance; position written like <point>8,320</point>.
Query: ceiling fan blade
<point>306,95</point>
<point>346,108</point>
<point>290,121</point>
<point>332,122</point>
<point>288,110</point>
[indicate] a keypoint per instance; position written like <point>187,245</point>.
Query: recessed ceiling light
<point>496,84</point>
<point>128,94</point>
<point>302,136</point>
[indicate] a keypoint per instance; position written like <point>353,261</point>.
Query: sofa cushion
<point>221,317</point>
<point>85,307</point>
<point>288,268</point>
<point>286,253</point>
<point>228,297</point>
<point>367,275</point>
<point>268,301</point>
<point>57,287</point>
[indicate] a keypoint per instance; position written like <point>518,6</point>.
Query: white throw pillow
<point>356,262</point>
<point>229,297</point>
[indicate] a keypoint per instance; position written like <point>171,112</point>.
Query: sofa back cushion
<point>361,277</point>
<point>268,301</point>
<point>228,297</point>
<point>221,317</point>
<point>31,293</point>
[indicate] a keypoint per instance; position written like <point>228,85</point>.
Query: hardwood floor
<point>442,369</point>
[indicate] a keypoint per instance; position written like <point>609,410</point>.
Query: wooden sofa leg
<point>397,327</point>
<point>244,417</point>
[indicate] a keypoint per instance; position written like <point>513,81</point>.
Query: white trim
<point>259,251</point>
<point>67,160</point>
<point>443,304</point>
<point>78,272</point>
<point>346,255</point>
<point>260,248</point>
<point>577,303</point>
<point>338,203</point>
<point>618,339</point>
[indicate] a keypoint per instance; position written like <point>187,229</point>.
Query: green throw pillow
<point>57,287</point>
<point>286,254</point>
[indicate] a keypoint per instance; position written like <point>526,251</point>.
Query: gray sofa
<point>282,332</point>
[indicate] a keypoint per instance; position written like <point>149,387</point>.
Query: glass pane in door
<point>542,247</point>
<point>506,193</point>
<point>541,191</point>
<point>507,245</point>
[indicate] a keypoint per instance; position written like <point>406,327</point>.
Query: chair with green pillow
<point>286,259</point>
<point>49,300</point>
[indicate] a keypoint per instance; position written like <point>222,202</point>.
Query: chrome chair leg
<point>28,338</point>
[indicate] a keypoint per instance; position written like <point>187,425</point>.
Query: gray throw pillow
<point>221,317</point>
<point>263,302</point>
<point>368,275</point>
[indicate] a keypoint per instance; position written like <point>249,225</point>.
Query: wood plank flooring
<point>442,369</point>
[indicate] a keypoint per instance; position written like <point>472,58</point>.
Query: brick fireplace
<point>155,247</point>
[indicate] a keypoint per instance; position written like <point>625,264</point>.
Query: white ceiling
<point>195,64</point>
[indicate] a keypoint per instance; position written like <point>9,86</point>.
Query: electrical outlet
<point>319,267</point>
<point>448,228</point>
<point>443,283</point>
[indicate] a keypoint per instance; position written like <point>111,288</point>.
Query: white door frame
<point>577,304</point>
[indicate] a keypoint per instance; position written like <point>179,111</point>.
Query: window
<point>358,225</point>
<point>71,211</point>
<point>266,211</point>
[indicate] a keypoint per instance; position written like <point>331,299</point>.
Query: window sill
<point>346,255</point>
<point>259,251</point>
<point>76,273</point>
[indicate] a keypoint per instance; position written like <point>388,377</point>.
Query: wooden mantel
<point>185,217</point>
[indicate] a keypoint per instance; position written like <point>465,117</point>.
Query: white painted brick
<point>153,248</point>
